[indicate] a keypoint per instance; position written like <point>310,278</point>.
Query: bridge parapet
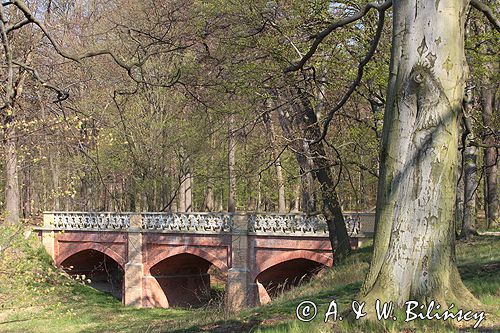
<point>90,220</point>
<point>258,223</point>
<point>298,223</point>
<point>214,222</point>
<point>244,245</point>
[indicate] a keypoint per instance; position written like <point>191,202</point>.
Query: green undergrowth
<point>36,297</point>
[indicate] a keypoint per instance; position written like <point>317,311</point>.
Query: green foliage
<point>36,297</point>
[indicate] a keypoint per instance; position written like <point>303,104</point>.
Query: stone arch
<point>320,258</point>
<point>97,247</point>
<point>99,267</point>
<point>187,250</point>
<point>180,277</point>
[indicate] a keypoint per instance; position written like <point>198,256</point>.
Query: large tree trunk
<point>312,160</point>
<point>490,159</point>
<point>414,238</point>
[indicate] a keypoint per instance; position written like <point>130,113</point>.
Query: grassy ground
<point>36,297</point>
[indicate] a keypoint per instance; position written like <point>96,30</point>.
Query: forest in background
<point>176,106</point>
<point>277,106</point>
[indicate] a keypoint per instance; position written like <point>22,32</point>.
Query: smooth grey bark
<point>182,194</point>
<point>414,255</point>
<point>231,162</point>
<point>12,198</point>
<point>271,134</point>
<point>209,198</point>
<point>185,187</point>
<point>309,199</point>
<point>490,158</point>
<point>469,163</point>
<point>470,188</point>
<point>27,192</point>
<point>296,200</point>
<point>459,205</point>
<point>189,191</point>
<point>56,186</point>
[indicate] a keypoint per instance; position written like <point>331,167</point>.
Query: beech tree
<point>414,237</point>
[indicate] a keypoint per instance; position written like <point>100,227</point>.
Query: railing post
<point>239,291</point>
<point>48,236</point>
<point>134,268</point>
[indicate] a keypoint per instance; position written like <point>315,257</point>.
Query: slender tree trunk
<point>259,195</point>
<point>470,188</point>
<point>209,199</point>
<point>459,204</point>
<point>231,203</point>
<point>296,201</point>
<point>182,193</point>
<point>271,133</point>
<point>27,191</point>
<point>131,194</point>
<point>189,191</point>
<point>174,189</point>
<point>414,255</point>
<point>309,200</point>
<point>490,159</point>
<point>12,199</point>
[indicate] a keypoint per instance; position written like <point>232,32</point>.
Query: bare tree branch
<point>61,95</point>
<point>362,64</point>
<point>9,99</point>
<point>318,38</point>
<point>77,58</point>
<point>18,25</point>
<point>482,7</point>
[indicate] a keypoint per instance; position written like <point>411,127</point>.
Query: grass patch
<point>36,297</point>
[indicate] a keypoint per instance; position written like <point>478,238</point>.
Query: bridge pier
<point>48,235</point>
<point>240,291</point>
<point>134,269</point>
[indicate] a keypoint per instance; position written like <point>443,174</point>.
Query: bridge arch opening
<point>188,280</point>
<point>104,272</point>
<point>285,275</point>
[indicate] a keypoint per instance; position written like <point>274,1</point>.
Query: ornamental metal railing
<point>259,223</point>
<point>91,220</point>
<point>298,223</point>
<point>222,222</point>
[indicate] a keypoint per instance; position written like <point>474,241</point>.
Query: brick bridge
<point>171,259</point>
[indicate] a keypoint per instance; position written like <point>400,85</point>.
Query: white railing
<point>221,222</point>
<point>259,223</point>
<point>298,223</point>
<point>85,220</point>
